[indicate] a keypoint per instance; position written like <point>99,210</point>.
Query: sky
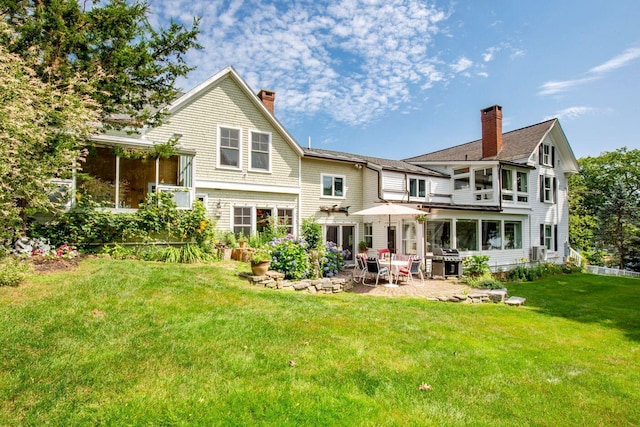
<point>400,78</point>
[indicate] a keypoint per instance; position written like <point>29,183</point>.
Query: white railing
<point>606,271</point>
<point>574,256</point>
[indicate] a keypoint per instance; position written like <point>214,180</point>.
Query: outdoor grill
<point>446,262</point>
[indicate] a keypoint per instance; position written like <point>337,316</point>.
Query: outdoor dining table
<point>394,269</point>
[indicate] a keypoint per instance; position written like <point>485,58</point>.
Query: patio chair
<point>412,268</point>
<point>373,267</point>
<point>359,272</point>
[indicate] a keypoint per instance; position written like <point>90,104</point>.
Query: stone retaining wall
<point>275,280</point>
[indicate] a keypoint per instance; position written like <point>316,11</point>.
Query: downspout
<point>378,170</point>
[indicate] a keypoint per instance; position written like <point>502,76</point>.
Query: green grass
<point>141,343</point>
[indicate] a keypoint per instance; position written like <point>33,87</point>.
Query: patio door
<point>342,235</point>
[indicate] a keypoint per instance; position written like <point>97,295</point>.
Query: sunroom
<point>120,176</point>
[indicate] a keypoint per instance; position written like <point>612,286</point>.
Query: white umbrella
<point>388,209</point>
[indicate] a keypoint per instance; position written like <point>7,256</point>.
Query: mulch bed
<point>44,265</point>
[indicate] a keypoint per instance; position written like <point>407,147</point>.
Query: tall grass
<point>143,343</point>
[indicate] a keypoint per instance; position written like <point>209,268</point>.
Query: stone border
<point>334,285</point>
<point>276,280</point>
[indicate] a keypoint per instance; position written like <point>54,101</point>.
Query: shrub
<point>13,271</point>
<point>485,282</point>
<point>312,233</point>
<point>331,259</point>
<point>289,256</point>
<point>476,265</point>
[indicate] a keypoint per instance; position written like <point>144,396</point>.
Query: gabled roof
<point>230,72</point>
<point>516,145</point>
<point>385,164</point>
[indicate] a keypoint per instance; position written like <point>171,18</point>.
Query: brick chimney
<point>491,131</point>
<point>268,98</point>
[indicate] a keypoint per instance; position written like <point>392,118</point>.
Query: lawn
<point>142,343</point>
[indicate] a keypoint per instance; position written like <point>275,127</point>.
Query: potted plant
<point>421,218</point>
<point>363,247</point>
<point>260,260</point>
<point>242,241</point>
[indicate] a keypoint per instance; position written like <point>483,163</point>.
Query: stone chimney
<point>268,98</point>
<point>491,131</point>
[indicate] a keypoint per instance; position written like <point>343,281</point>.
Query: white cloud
<point>351,60</point>
<point>461,65</point>
<point>618,61</point>
<point>483,74</point>
<point>572,113</point>
<point>554,87</point>
<point>489,54</point>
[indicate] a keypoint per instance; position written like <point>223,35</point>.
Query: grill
<point>446,263</point>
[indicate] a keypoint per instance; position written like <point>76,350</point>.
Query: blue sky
<point>399,78</point>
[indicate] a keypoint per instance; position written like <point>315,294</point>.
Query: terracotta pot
<point>260,268</point>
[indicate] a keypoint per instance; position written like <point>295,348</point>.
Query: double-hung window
<point>333,186</point>
<point>368,234</point>
<point>285,219</point>
<point>261,151</point>
<point>548,189</point>
<point>229,147</point>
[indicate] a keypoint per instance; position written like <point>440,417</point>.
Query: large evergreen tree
<point>64,68</point>
<point>136,64</point>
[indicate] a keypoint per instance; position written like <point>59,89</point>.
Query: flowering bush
<point>332,259</point>
<point>289,256</point>
<point>66,251</point>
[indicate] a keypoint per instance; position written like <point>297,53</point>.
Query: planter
<point>260,268</point>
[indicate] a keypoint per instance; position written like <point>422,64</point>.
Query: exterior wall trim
<point>235,186</point>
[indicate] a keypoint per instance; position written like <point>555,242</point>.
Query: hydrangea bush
<point>332,259</point>
<point>289,256</point>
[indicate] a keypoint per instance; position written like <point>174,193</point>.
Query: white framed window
<point>548,189</point>
<point>467,234</point>
<point>333,186</point>
<point>483,184</point>
<point>548,236</point>
<point>513,235</point>
<point>491,235</point>
<point>506,183</point>
<point>417,187</point>
<point>343,236</point>
<point>285,218</point>
<point>461,179</point>
<point>547,155</point>
<point>368,234</point>
<point>409,237</point>
<point>229,147</point>
<point>514,186</point>
<point>522,186</point>
<point>260,153</point>
<point>242,220</point>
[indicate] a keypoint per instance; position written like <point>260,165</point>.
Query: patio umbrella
<point>388,209</point>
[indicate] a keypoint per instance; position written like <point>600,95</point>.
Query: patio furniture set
<point>387,266</point>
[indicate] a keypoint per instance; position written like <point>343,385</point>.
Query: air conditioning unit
<point>538,253</point>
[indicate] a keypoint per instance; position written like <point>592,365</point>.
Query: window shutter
<point>541,188</point>
<point>541,234</point>
<point>553,157</point>
<point>540,154</point>
<point>555,190</point>
<point>555,237</point>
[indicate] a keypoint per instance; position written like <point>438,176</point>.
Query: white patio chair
<point>413,267</point>
<point>359,272</point>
